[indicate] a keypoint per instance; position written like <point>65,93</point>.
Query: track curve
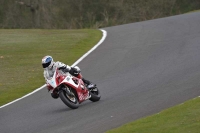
<point>141,69</point>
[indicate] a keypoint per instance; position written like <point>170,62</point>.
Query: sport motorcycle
<point>71,90</point>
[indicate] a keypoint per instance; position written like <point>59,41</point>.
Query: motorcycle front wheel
<point>69,100</point>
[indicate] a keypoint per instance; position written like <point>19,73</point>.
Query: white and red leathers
<point>49,71</point>
<point>49,68</point>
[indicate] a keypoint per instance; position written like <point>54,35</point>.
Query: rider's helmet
<point>47,61</point>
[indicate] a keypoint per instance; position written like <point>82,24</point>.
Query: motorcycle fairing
<point>75,83</point>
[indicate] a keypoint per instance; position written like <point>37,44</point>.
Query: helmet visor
<point>45,65</point>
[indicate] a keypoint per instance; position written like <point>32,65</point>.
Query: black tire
<point>55,96</point>
<point>95,95</point>
<point>65,98</point>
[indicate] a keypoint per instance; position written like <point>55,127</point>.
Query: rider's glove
<point>74,71</point>
<point>64,69</point>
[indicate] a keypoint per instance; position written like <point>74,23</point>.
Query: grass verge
<point>21,52</point>
<point>194,11</point>
<point>183,118</point>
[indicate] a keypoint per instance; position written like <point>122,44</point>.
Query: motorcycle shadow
<point>83,106</point>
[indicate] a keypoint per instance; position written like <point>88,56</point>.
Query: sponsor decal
<point>81,96</point>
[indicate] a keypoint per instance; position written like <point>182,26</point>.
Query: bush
<point>75,14</point>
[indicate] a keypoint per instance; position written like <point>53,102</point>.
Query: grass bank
<point>21,52</point>
<point>194,11</point>
<point>183,118</point>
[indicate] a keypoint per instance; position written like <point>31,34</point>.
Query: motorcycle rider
<point>49,68</point>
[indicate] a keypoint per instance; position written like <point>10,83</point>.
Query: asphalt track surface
<point>140,69</point>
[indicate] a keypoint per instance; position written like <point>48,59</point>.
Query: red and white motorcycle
<point>71,90</point>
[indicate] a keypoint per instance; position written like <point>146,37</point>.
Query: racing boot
<point>88,84</point>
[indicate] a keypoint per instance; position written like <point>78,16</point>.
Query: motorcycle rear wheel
<point>70,101</point>
<point>95,95</point>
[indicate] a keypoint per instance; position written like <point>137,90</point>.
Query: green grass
<point>183,118</point>
<point>21,52</point>
<point>194,11</point>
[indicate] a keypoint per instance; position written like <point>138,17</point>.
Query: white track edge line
<point>79,60</point>
<point>92,49</point>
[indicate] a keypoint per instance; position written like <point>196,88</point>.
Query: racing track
<point>140,68</point>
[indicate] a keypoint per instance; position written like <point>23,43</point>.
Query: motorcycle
<point>71,90</point>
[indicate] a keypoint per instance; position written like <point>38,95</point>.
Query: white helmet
<point>47,61</point>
